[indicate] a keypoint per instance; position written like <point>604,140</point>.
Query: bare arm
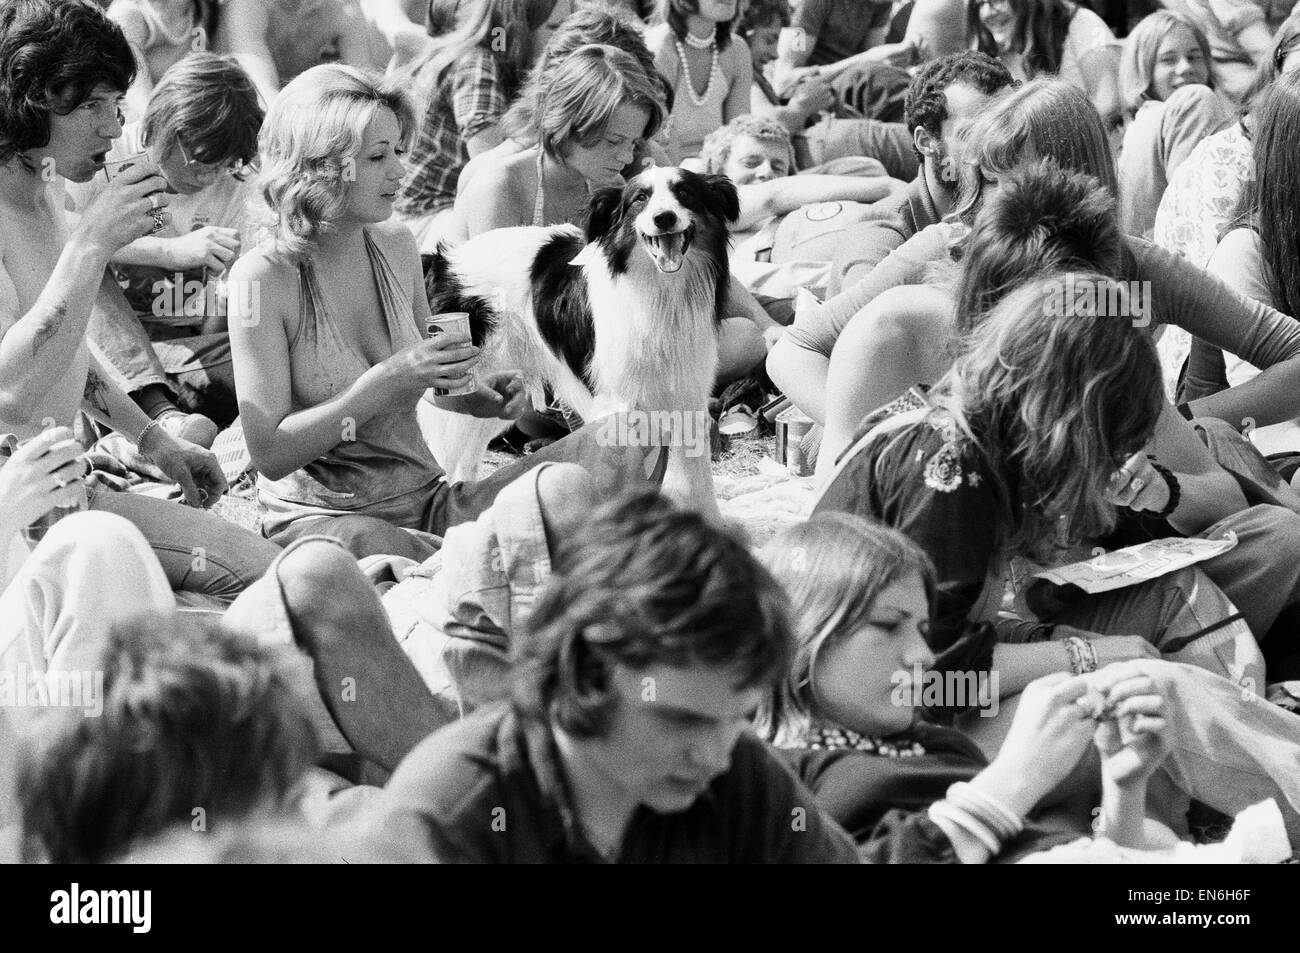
<point>282,440</point>
<point>491,201</point>
<point>900,339</point>
<point>408,39</point>
<point>354,46</point>
<point>760,200</point>
<point>880,52</point>
<point>243,27</point>
<point>1208,492</point>
<point>37,349</point>
<point>105,400</point>
<point>740,71</point>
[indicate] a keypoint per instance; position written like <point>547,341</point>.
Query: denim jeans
<point>199,552</point>
<point>197,369</point>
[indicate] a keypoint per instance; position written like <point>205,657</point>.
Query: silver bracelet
<point>139,441</point>
<point>1083,655</point>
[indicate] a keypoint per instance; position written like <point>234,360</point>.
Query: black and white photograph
<point>651,432</point>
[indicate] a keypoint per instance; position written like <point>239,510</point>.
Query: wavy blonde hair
<point>311,138</point>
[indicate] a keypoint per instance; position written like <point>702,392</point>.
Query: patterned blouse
<point>1198,203</point>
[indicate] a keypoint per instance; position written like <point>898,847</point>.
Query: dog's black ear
<point>720,196</point>
<point>604,209</point>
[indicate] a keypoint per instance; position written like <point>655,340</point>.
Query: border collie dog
<point>628,322</point>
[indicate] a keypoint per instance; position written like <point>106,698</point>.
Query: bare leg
<point>375,696</point>
<point>740,349</point>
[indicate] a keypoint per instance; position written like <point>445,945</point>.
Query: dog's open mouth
<point>668,251</point>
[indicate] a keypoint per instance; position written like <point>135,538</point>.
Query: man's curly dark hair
<point>53,53</point>
<point>926,104</point>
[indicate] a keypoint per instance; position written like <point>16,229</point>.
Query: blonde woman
<point>330,353</point>
<point>1170,103</point>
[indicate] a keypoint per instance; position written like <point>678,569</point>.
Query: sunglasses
<point>206,170</point>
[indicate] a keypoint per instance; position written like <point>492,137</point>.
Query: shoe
<point>195,428</point>
<point>738,421</point>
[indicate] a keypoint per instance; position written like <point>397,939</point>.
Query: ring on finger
<point>1138,484</point>
<point>159,219</point>
<point>60,483</point>
<point>153,202</point>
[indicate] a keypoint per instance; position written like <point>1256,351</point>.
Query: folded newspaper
<point>1136,564</point>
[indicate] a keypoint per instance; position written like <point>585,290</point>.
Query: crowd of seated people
<point>1029,266</point>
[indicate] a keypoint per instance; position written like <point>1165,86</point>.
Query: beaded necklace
<point>702,42</point>
<point>698,99</point>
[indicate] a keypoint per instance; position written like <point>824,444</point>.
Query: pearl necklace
<point>698,99</point>
<point>702,42</point>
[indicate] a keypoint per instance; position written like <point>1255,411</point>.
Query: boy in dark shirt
<point>626,738</point>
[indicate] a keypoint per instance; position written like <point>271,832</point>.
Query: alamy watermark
<point>930,688</point>
<point>657,428</point>
<point>24,687</point>
<point>1081,297</point>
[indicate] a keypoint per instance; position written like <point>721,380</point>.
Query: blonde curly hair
<point>309,142</point>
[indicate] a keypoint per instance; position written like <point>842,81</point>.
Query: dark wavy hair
<point>1043,218</point>
<point>675,12</point>
<point>646,583</point>
<point>926,102</point>
<point>53,53</point>
<point>1040,32</point>
<point>193,717</point>
<point>1270,203</point>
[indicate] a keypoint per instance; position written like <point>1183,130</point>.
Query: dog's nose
<point>665,220</point>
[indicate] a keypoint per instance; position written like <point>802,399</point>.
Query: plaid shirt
<point>471,97</point>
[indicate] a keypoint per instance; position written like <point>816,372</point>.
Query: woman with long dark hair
<point>1051,38</point>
